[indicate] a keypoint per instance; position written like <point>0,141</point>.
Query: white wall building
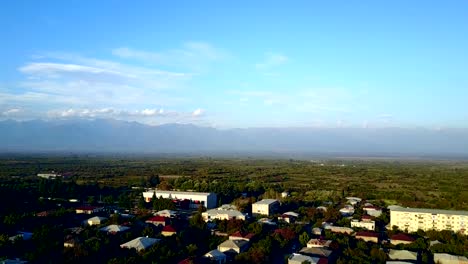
<point>412,219</point>
<point>265,207</point>
<point>208,200</point>
<point>49,175</point>
<point>366,224</point>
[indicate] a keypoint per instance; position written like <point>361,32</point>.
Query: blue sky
<point>237,63</point>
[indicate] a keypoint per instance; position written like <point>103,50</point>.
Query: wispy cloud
<point>271,60</point>
<point>11,112</point>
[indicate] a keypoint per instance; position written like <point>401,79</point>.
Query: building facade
<point>209,200</point>
<point>412,219</point>
<point>365,224</point>
<point>265,207</point>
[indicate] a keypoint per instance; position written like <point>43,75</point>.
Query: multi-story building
<point>412,219</point>
<point>265,207</point>
<point>196,198</point>
<point>365,224</point>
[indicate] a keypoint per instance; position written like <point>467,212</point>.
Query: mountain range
<point>108,135</point>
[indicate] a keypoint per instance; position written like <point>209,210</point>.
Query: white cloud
<point>198,112</point>
<point>271,60</point>
<point>11,112</point>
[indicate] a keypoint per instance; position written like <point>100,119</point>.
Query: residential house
<point>368,236</point>
<point>288,217</point>
<point>372,210</point>
<point>225,212</point>
<point>158,220</point>
<point>216,256</point>
<point>314,242</point>
<point>168,231</point>
<point>318,252</point>
<point>365,224</point>
<point>403,255</point>
<point>96,220</point>
<point>444,258</point>
<point>317,231</point>
<point>114,229</point>
<point>300,259</point>
<point>265,207</point>
<point>140,243</point>
<point>401,239</point>
<point>347,210</point>
<point>87,209</point>
<point>166,213</point>
<point>241,236</point>
<point>233,246</point>
<point>340,229</point>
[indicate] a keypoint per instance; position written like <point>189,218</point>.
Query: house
<point>166,213</point>
<point>413,219</point>
<point>72,242</point>
<point>49,176</point>
<point>233,246</point>
<point>224,212</point>
<point>372,210</point>
<point>216,256</point>
<point>299,259</point>
<point>401,239</point>
<point>368,236</point>
<point>353,200</point>
<point>322,208</point>
<point>284,194</point>
<point>444,258</point>
<point>168,231</point>
<point>140,243</point>
<point>340,229</point>
<point>365,224</point>
<point>265,207</point>
<point>241,236</point>
<point>317,231</point>
<point>347,210</point>
<point>114,229</point>
<point>195,199</point>
<point>21,236</point>
<point>403,255</point>
<point>158,220</point>
<point>318,243</point>
<point>266,221</point>
<point>87,209</point>
<point>318,252</point>
<point>96,220</point>
<point>288,217</point>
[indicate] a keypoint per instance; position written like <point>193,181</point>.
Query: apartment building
<point>265,207</point>
<point>412,219</point>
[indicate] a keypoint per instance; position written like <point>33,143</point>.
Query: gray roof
<point>233,243</point>
<point>140,243</point>
<point>180,192</point>
<point>427,211</point>
<point>266,201</point>
<point>447,258</point>
<point>301,258</point>
<point>316,251</point>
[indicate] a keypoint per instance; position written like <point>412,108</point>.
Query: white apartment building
<point>412,219</point>
<point>366,224</point>
<point>265,207</point>
<point>206,199</point>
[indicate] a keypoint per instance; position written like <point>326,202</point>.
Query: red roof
<point>366,217</point>
<point>322,261</point>
<point>403,237</point>
<point>169,228</point>
<point>367,234</point>
<point>157,218</point>
<point>239,234</point>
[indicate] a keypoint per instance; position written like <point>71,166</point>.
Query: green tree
<point>304,238</point>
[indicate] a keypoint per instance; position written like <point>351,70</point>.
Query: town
<point>159,221</point>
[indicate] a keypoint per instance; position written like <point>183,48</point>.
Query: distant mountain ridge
<point>107,135</point>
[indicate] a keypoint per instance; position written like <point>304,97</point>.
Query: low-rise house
<point>317,231</point>
<point>284,194</point>
<point>168,231</point>
<point>401,239</point>
<point>368,236</point>
<point>288,217</point>
<point>158,220</point>
<point>114,229</point>
<point>266,221</point>
<point>365,224</point>
<point>322,208</point>
<point>225,212</point>
<point>166,213</point>
<point>372,210</point>
<point>265,207</point>
<point>96,220</point>
<point>87,209</point>
<point>314,242</point>
<point>216,256</point>
<point>340,229</point>
<point>403,255</point>
<point>353,200</point>
<point>241,236</point>
<point>318,252</point>
<point>300,259</point>
<point>233,246</point>
<point>347,210</point>
<point>140,243</point>
<point>444,258</point>
<point>21,236</point>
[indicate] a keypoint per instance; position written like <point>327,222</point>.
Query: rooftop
<point>367,234</point>
<point>427,211</point>
<point>267,201</point>
<point>179,192</point>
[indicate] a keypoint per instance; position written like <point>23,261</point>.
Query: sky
<point>230,64</point>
